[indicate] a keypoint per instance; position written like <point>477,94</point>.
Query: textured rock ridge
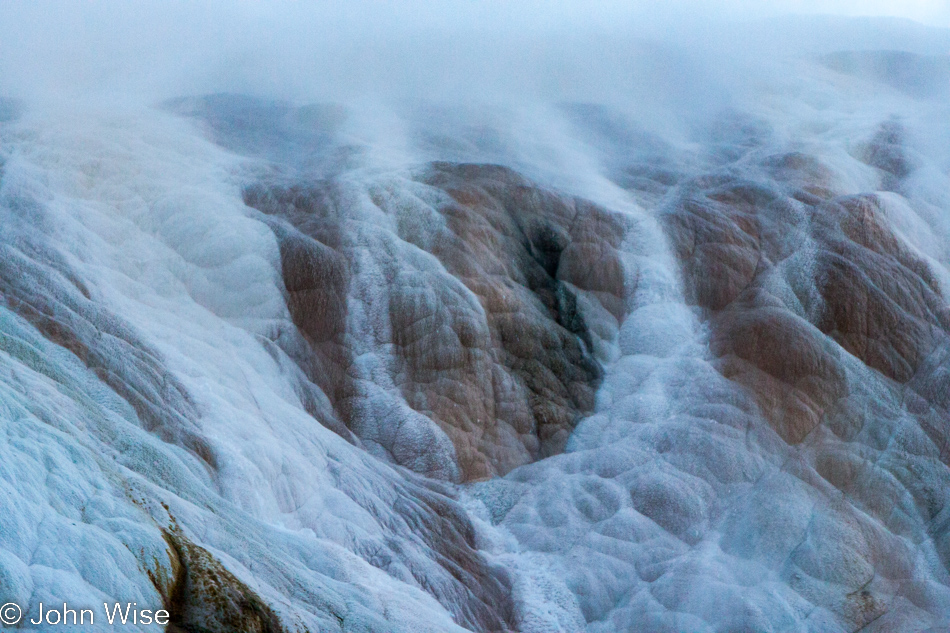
<point>779,435</point>
<point>781,270</point>
<point>128,442</point>
<point>207,598</point>
<point>476,308</point>
<point>39,285</point>
<point>628,368</point>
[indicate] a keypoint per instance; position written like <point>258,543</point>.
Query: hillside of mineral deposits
<point>676,361</point>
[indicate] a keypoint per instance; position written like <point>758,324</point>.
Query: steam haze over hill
<point>476,316</point>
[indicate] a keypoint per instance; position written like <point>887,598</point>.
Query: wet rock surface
<point>778,268</point>
<point>261,369</point>
<point>206,597</point>
<point>471,290</point>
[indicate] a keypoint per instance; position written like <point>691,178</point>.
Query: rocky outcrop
<point>479,300</point>
<point>412,526</point>
<point>779,266</point>
<point>207,598</point>
<point>882,303</point>
<point>764,326</point>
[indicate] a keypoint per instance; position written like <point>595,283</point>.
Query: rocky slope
<point>259,372</point>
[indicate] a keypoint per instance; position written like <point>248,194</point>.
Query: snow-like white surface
<point>675,507</point>
<point>149,214</point>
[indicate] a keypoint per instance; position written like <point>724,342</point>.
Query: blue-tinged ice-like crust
<point>154,411</point>
<point>98,472</point>
<point>688,500</point>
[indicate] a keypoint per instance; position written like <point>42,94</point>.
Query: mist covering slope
<point>672,358</point>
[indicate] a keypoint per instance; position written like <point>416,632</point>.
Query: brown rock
<point>207,598</point>
<point>785,362</point>
<point>485,337</point>
<point>872,294</point>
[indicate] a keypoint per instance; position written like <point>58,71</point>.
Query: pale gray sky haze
<point>53,49</point>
